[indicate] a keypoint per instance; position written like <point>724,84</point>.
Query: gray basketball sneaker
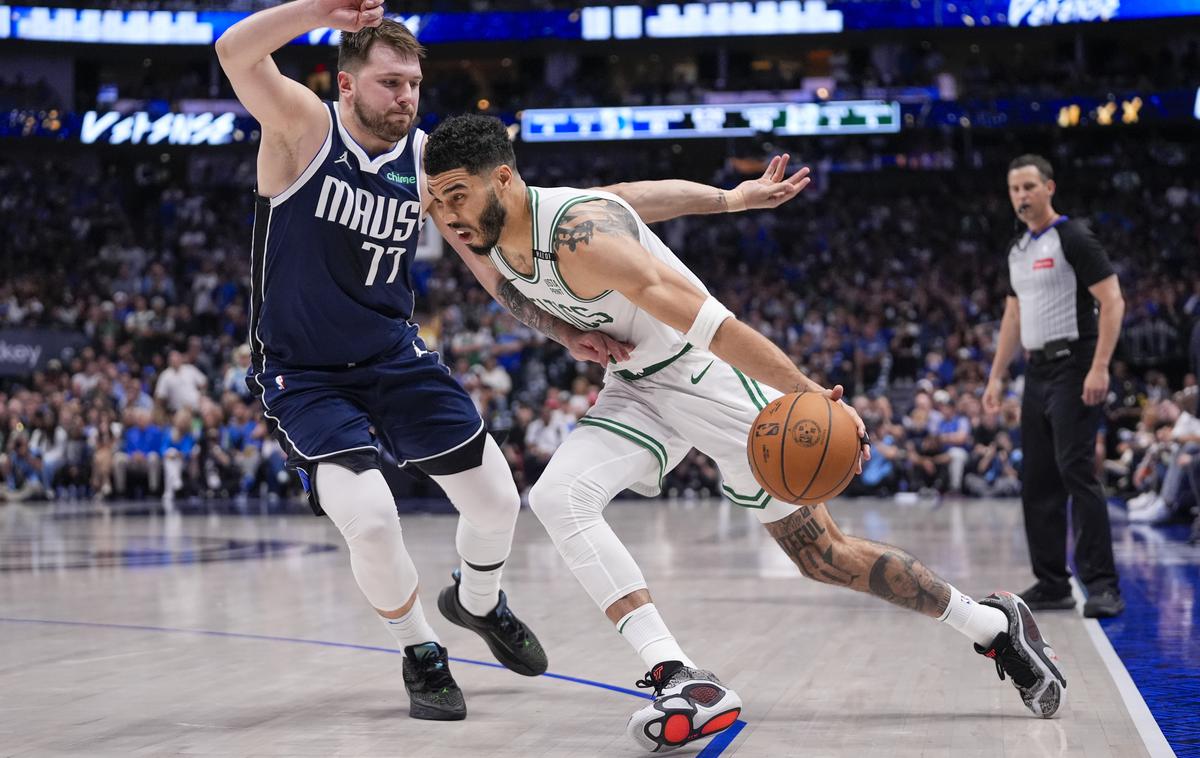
<point>1026,657</point>
<point>689,704</point>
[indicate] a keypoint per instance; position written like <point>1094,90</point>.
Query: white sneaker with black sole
<point>1026,657</point>
<point>689,704</point>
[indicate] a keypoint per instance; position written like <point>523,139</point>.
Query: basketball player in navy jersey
<point>336,358</point>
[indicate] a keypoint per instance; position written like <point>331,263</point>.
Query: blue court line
<point>718,744</point>
<point>712,750</point>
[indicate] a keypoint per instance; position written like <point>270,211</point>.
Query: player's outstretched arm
<point>281,105</point>
<point>597,246</point>
<point>671,198</point>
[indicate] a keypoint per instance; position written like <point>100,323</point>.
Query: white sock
<point>645,630</point>
<point>979,623</point>
<point>479,591</point>
<point>411,628</point>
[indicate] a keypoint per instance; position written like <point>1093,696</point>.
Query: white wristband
<point>712,314</point>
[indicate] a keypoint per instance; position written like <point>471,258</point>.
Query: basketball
<point>803,448</point>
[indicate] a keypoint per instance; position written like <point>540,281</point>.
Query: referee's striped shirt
<point>1049,273</point>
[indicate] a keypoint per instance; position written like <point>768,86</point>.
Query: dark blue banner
<point>601,23</point>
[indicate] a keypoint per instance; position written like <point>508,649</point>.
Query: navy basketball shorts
<point>405,400</point>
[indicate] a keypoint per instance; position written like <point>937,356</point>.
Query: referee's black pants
<point>1058,437</point>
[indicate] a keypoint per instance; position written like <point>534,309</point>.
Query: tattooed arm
<point>523,310</point>
<point>598,249</point>
<point>670,198</point>
<point>583,346</point>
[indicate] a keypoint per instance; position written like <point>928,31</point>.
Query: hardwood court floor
<point>230,635</point>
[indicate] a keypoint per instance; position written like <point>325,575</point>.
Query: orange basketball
<point>803,449</point>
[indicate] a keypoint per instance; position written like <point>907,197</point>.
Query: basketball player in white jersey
<point>692,380</point>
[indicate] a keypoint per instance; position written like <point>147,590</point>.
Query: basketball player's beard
<point>377,123</point>
<point>491,223</point>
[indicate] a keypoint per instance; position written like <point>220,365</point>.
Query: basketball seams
<point>754,469</point>
<point>783,449</point>
<point>825,450</point>
<point>837,487</point>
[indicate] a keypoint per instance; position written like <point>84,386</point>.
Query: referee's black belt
<point>1056,350</point>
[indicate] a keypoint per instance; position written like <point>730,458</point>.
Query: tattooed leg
<point>822,552</point>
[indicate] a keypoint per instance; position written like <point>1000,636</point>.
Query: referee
<point>1058,273</point>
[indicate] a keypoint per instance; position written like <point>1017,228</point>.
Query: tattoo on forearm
<point>903,580</point>
<point>807,536</point>
<point>527,313</point>
<point>585,220</point>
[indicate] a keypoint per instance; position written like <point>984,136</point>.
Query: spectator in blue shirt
<point>140,451</point>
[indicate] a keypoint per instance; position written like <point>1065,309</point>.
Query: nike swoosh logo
<point>696,379</point>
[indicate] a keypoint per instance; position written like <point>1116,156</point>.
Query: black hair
<point>475,143</point>
<point>1029,159</point>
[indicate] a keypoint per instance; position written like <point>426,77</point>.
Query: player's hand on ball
<point>836,394</point>
<point>350,15</point>
<point>772,189</point>
<point>597,347</point>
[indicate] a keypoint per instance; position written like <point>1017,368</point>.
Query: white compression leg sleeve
<point>591,468</point>
<point>364,511</point>
<point>488,503</point>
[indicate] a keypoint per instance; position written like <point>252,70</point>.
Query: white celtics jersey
<point>610,312</point>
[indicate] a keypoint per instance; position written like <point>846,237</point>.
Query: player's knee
<point>547,495</point>
<point>375,527</point>
<point>498,512</point>
<point>561,500</point>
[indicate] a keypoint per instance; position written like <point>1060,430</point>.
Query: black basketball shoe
<point>513,643</point>
<point>432,691</point>
<point>1039,597</point>
<point>689,704</point>
<point>1026,657</point>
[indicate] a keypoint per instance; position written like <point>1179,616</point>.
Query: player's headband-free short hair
<point>355,47</point>
<point>1029,159</point>
<point>475,143</point>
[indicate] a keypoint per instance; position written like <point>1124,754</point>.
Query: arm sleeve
<point>1083,251</point>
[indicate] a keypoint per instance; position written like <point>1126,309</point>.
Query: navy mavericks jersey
<point>332,253</point>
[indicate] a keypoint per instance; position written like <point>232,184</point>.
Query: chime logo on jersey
<point>378,216</point>
<point>398,178</point>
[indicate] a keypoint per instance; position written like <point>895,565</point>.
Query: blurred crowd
<point>976,71</point>
<point>892,287</point>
